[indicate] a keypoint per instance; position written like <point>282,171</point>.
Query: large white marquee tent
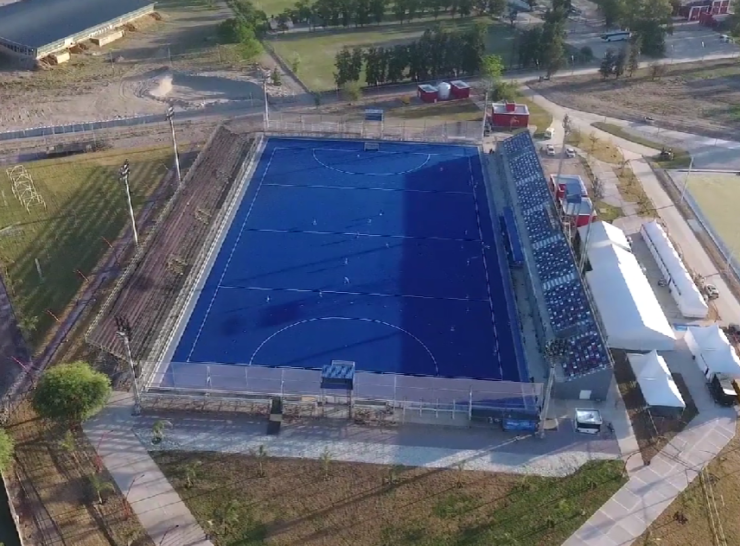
<point>690,301</point>
<point>630,312</point>
<point>656,382</point>
<point>712,350</point>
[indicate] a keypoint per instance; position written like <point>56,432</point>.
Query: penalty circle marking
<point>313,152</point>
<point>375,321</point>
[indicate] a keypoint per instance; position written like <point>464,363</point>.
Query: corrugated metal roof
<point>36,23</point>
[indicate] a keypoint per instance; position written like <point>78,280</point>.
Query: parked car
<point>550,150</point>
<point>711,292</point>
<point>570,152</point>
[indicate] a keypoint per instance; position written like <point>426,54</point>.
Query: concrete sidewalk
<point>159,508</point>
<point>650,490</point>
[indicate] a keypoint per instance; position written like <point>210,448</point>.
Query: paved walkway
<point>653,488</point>
<point>159,508</point>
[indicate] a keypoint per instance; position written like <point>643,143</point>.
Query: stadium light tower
<point>123,174</point>
<point>123,329</point>
<point>170,115</point>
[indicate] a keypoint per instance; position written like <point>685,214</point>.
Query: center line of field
<point>369,188</point>
<point>349,293</point>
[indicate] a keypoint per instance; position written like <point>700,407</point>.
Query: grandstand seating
<point>564,293</point>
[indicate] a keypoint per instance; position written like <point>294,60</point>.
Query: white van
<point>550,133</point>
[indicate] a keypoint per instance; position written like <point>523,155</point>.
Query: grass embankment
<point>327,503</point>
<point>84,208</point>
<point>681,158</point>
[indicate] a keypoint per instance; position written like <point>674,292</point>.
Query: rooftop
<point>36,23</point>
<point>509,108</point>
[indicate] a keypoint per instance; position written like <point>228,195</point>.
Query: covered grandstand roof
<point>36,23</point>
<point>604,234</point>
<point>655,380</point>
<point>631,314</point>
<point>565,298</point>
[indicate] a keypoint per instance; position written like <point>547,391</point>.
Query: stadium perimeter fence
<point>302,391</point>
<point>251,387</point>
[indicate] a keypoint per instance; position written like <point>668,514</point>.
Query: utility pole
<point>267,104</point>
<point>686,184</point>
<point>170,115</point>
<point>123,328</point>
<point>123,175</point>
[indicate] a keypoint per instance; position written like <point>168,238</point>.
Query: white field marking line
<point>375,321</point>
<point>429,157</point>
<point>231,256</point>
<point>348,293</point>
<point>330,187</point>
<point>359,150</point>
<point>355,234</point>
<point>485,266</point>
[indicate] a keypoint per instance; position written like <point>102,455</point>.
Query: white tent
<point>705,338</point>
<point>655,380</point>
<point>683,288</point>
<point>632,317</point>
<point>603,234</point>
<point>712,350</point>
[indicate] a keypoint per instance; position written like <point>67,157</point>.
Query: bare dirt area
<point>700,98</point>
<point>171,58</point>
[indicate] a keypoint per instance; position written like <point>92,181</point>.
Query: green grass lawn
<point>538,116</point>
<point>85,203</point>
<point>259,501</point>
<point>455,110</point>
<point>317,50</point>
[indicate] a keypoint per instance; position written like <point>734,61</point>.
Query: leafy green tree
<point>71,393</point>
<point>192,470</point>
<point>620,62</point>
<point>352,91</point>
<point>343,66</point>
<point>377,10</point>
<point>607,63</point>
<point>275,78</point>
<point>465,7</point>
<point>100,486</point>
<point>358,56</point>
<point>496,7</point>
<point>492,68</point>
<point>398,62</point>
<point>399,10</point>
<point>612,10</point>
<point>295,63</point>
<point>7,448</point>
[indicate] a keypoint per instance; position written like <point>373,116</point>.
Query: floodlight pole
<point>123,328</point>
<point>123,175</point>
<point>485,116</point>
<point>170,115</point>
<point>267,105</point>
<point>686,184</point>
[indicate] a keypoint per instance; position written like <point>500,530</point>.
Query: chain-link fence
<point>423,130</point>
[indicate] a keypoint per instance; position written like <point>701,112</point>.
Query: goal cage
<point>372,146</point>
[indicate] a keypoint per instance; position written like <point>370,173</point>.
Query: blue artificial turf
<point>386,259</point>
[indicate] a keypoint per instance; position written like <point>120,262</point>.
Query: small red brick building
<point>427,93</point>
<point>509,115</point>
<point>704,10</point>
<point>460,89</point>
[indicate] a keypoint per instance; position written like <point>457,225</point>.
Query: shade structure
<point>682,286</point>
<point>712,350</point>
<point>705,338</point>
<point>655,380</point>
<point>631,314</point>
<point>604,234</point>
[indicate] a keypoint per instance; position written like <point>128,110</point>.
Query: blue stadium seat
<point>565,296</point>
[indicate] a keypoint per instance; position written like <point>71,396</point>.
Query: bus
<point>617,36</point>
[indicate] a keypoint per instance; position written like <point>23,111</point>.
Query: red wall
<point>505,120</point>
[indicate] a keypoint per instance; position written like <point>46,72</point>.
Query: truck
<point>722,386</point>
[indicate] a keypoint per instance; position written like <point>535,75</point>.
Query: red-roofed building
<point>509,115</point>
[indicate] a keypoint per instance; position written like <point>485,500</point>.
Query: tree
<point>295,63</point>
<point>496,7</point>
<point>612,11</point>
<point>100,486</point>
<point>657,71</point>
<point>351,91</point>
<point>377,10</point>
<point>158,428</point>
<point>492,67</point>
<point>7,448</point>
<point>275,78</point>
<point>620,62</point>
<point>343,66</point>
<point>326,462</point>
<point>228,516</point>
<point>71,393</point>
<point>191,473</point>
<point>607,63</point>
<point>261,455</point>
<point>249,46</point>
<point>633,56</point>
<point>69,444</point>
<point>532,4</point>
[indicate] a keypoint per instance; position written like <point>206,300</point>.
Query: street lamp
<point>170,115</point>
<point>123,175</point>
<point>123,329</point>
<point>167,532</point>
<point>126,505</point>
